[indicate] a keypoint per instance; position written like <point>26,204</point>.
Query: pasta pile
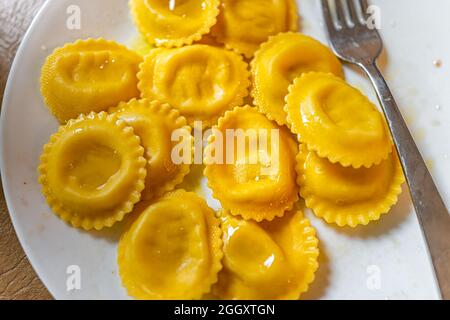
<point>228,65</point>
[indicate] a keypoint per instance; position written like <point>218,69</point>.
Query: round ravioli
<point>173,23</point>
<point>279,61</point>
<point>269,260</point>
<point>250,165</point>
<point>337,121</point>
<point>244,24</point>
<point>172,250</point>
<point>93,171</point>
<point>155,123</point>
<point>89,76</point>
<point>201,81</point>
<point>345,195</point>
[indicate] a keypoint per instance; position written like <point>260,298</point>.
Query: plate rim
<point>5,106</point>
<point>36,265</point>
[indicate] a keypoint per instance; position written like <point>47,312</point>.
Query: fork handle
<point>430,208</point>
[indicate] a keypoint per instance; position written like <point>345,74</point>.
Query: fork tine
<point>340,13</point>
<point>364,6</point>
<point>327,16</point>
<point>352,11</point>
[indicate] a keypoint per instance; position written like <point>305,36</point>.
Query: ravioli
<point>89,76</point>
<point>201,81</point>
<point>256,178</point>
<point>267,261</point>
<point>345,195</point>
<point>154,123</point>
<point>92,171</point>
<point>337,121</point>
<point>244,24</point>
<point>173,250</point>
<point>173,23</point>
<point>279,61</point>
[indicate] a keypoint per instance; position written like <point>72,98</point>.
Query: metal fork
<point>354,42</point>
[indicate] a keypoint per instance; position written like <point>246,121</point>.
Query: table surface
<point>17,278</point>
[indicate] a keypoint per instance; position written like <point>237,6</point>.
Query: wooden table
<point>17,278</point>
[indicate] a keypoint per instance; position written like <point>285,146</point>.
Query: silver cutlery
<point>354,41</point>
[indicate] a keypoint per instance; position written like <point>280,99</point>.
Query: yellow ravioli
<point>173,23</point>
<point>337,121</point>
<point>173,250</point>
<point>89,76</point>
<point>201,81</point>
<point>279,61</point>
<point>256,178</point>
<point>93,171</point>
<point>244,24</point>
<point>345,195</point>
<point>269,260</point>
<point>154,123</point>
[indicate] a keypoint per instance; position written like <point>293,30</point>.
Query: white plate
<point>352,261</point>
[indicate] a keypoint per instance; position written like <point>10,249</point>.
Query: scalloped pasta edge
<point>293,26</point>
<point>135,195</point>
<point>183,41</point>
<point>255,93</point>
<point>50,101</point>
<point>215,246</point>
<point>326,212</point>
<point>311,252</point>
<point>259,214</point>
<point>237,101</point>
<point>346,159</point>
<point>179,122</point>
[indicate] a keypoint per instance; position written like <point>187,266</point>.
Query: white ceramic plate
<point>386,260</point>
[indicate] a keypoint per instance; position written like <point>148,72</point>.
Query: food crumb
<point>420,134</point>
<point>44,48</point>
<point>430,164</point>
<point>435,123</point>
<point>438,107</point>
<point>437,63</point>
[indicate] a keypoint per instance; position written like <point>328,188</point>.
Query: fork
<point>353,41</point>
